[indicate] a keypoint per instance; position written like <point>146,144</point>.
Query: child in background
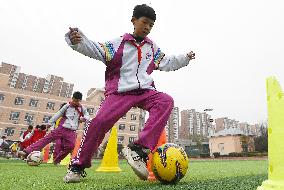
<point>25,138</point>
<point>72,114</point>
<point>38,133</point>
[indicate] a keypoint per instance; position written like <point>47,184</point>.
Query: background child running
<point>72,114</point>
<point>129,60</point>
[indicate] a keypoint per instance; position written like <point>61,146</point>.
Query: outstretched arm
<point>171,63</point>
<point>57,115</point>
<point>79,42</point>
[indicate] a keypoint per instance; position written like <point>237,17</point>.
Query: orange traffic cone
<point>77,146</point>
<point>162,140</point>
<point>46,154</point>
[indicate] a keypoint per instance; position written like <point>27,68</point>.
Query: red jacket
<point>38,134</point>
<point>27,142</point>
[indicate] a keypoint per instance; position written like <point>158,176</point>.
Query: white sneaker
<point>74,175</point>
<point>137,162</point>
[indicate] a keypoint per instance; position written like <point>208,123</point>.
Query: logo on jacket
<point>148,56</point>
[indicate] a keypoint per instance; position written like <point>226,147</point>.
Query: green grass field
<point>202,175</point>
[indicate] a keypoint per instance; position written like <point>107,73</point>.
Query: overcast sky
<point>238,44</point>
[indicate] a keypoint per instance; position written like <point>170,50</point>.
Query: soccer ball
<point>35,158</point>
<point>169,163</point>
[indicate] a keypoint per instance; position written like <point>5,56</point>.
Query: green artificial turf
<point>202,175</point>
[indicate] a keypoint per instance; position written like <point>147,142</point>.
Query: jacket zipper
<point>139,58</point>
<point>137,76</point>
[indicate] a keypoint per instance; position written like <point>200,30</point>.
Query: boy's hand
<point>191,55</point>
<point>74,36</point>
<point>82,119</point>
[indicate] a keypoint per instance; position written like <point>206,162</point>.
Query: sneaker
<point>74,175</point>
<point>137,157</point>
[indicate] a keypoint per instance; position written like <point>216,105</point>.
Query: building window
<point>124,117</point>
<point>2,97</point>
<point>121,127</point>
<point>33,103</point>
<point>10,131</point>
<point>14,116</point>
<point>132,127</point>
<point>90,111</point>
<point>131,139</point>
<point>19,101</point>
<point>120,139</point>
<point>46,118</point>
<point>29,118</point>
<point>133,116</point>
<point>22,131</point>
<point>50,105</point>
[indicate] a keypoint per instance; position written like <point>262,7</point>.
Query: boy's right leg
<point>111,110</point>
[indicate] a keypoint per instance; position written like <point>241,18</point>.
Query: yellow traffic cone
<point>110,160</point>
<point>275,103</point>
<point>66,160</point>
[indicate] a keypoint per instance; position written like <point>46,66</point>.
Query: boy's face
<point>75,102</point>
<point>142,26</point>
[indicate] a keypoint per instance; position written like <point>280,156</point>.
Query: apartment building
<point>226,123</point>
<point>194,123</point>
<point>172,126</point>
<point>52,84</point>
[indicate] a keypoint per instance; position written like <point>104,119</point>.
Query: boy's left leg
<point>159,105</point>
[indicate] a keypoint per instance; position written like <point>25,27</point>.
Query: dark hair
<point>30,127</point>
<point>43,127</point>
<point>61,105</point>
<point>37,126</point>
<point>144,10</point>
<point>77,95</point>
<point>3,137</point>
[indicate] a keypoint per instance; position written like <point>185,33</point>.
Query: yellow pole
<point>110,159</point>
<point>275,103</point>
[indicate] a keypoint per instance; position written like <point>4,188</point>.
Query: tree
<point>245,141</point>
<point>261,142</point>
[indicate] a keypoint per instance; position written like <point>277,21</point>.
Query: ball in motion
<point>35,158</point>
<point>169,163</point>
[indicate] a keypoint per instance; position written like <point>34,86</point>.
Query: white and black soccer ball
<point>35,158</point>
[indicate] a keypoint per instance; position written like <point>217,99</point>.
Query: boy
<point>72,114</point>
<point>129,61</point>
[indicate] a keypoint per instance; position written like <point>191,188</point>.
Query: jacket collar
<point>129,37</point>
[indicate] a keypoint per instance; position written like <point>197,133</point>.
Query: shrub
<point>204,155</point>
<point>216,154</point>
